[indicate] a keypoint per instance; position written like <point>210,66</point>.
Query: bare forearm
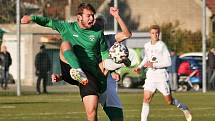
<point>125,34</point>
<point>123,27</point>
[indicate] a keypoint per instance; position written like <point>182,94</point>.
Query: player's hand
<point>55,78</point>
<point>84,82</point>
<point>26,19</point>
<point>148,64</point>
<point>137,70</point>
<point>115,76</point>
<point>103,70</point>
<point>114,11</point>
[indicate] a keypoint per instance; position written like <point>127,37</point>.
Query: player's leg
<point>164,88</point>
<point>6,78</point>
<point>114,113</point>
<point>91,104</point>
<point>1,77</point>
<point>65,74</point>
<point>183,108</point>
<point>2,82</point>
<point>38,84</point>
<point>45,81</point>
<point>173,101</point>
<point>145,107</point>
<point>89,94</point>
<point>149,90</point>
<point>67,54</point>
<point>110,101</point>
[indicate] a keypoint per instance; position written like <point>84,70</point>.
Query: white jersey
<point>159,55</point>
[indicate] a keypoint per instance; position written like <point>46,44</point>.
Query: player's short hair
<point>101,17</point>
<point>42,47</point>
<point>157,27</point>
<point>83,6</point>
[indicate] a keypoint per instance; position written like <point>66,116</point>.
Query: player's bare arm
<point>120,36</point>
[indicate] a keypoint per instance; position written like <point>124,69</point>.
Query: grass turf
<point>68,107</point>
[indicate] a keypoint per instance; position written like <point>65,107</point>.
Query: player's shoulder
<point>72,24</point>
<point>147,44</point>
<point>161,43</point>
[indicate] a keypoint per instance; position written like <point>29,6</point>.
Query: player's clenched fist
<point>26,19</point>
<point>114,11</point>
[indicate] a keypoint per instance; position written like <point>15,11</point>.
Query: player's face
<point>154,33</point>
<point>86,19</point>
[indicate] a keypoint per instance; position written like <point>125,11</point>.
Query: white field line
<point>7,107</point>
<point>71,115</point>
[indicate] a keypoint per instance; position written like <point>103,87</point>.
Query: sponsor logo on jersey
<point>75,35</point>
<point>92,37</point>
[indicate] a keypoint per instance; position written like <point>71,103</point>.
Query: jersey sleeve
<point>143,61</point>
<point>103,47</point>
<point>47,22</point>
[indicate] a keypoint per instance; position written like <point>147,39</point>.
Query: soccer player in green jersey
<point>109,99</point>
<point>88,44</point>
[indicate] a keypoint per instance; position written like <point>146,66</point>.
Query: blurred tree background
<point>211,40</point>
<point>177,39</point>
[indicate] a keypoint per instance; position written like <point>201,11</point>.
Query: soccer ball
<point>118,52</point>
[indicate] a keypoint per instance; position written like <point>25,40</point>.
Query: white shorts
<point>110,97</point>
<point>162,86</point>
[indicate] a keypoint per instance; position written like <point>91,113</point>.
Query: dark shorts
<point>90,89</point>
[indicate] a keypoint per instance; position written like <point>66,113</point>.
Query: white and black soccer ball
<point>118,52</point>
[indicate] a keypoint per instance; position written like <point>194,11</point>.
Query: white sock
<point>110,65</point>
<point>145,112</point>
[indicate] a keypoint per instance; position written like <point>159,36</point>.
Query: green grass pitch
<point>68,107</point>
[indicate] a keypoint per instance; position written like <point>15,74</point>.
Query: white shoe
<point>187,115</point>
<point>78,75</point>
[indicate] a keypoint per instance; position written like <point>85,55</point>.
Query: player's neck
<point>81,26</point>
<point>153,42</point>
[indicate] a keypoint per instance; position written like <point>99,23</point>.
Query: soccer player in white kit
<point>156,60</point>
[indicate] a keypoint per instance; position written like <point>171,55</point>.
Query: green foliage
<point>180,40</point>
<point>51,8</point>
<point>8,11</point>
<point>211,40</point>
